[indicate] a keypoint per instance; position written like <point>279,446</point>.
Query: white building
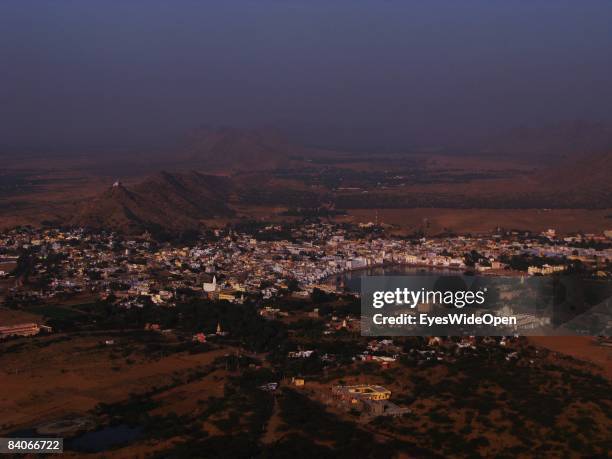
<point>210,287</point>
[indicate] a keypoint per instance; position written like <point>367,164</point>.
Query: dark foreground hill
<point>168,201</point>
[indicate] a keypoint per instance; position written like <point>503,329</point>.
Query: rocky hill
<point>169,201</point>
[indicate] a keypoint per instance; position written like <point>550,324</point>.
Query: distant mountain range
<point>168,201</point>
<point>181,200</point>
<point>565,139</point>
<point>231,149</point>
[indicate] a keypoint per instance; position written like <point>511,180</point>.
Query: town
<point>228,264</point>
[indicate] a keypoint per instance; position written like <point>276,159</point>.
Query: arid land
<point>77,375</point>
<point>413,192</point>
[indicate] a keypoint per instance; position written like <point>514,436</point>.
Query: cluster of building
<point>230,265</point>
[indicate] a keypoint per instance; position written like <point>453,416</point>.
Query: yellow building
<point>362,392</point>
<point>229,295</point>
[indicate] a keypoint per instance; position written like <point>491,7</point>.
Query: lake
<point>352,279</point>
<point>104,439</point>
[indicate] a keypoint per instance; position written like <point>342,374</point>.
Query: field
<point>580,347</point>
<point>73,374</point>
<point>14,316</point>
<point>435,220</point>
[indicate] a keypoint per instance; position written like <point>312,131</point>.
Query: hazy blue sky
<point>122,73</point>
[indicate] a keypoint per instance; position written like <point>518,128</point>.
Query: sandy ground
<point>48,382</point>
<point>13,317</point>
<point>579,347</point>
